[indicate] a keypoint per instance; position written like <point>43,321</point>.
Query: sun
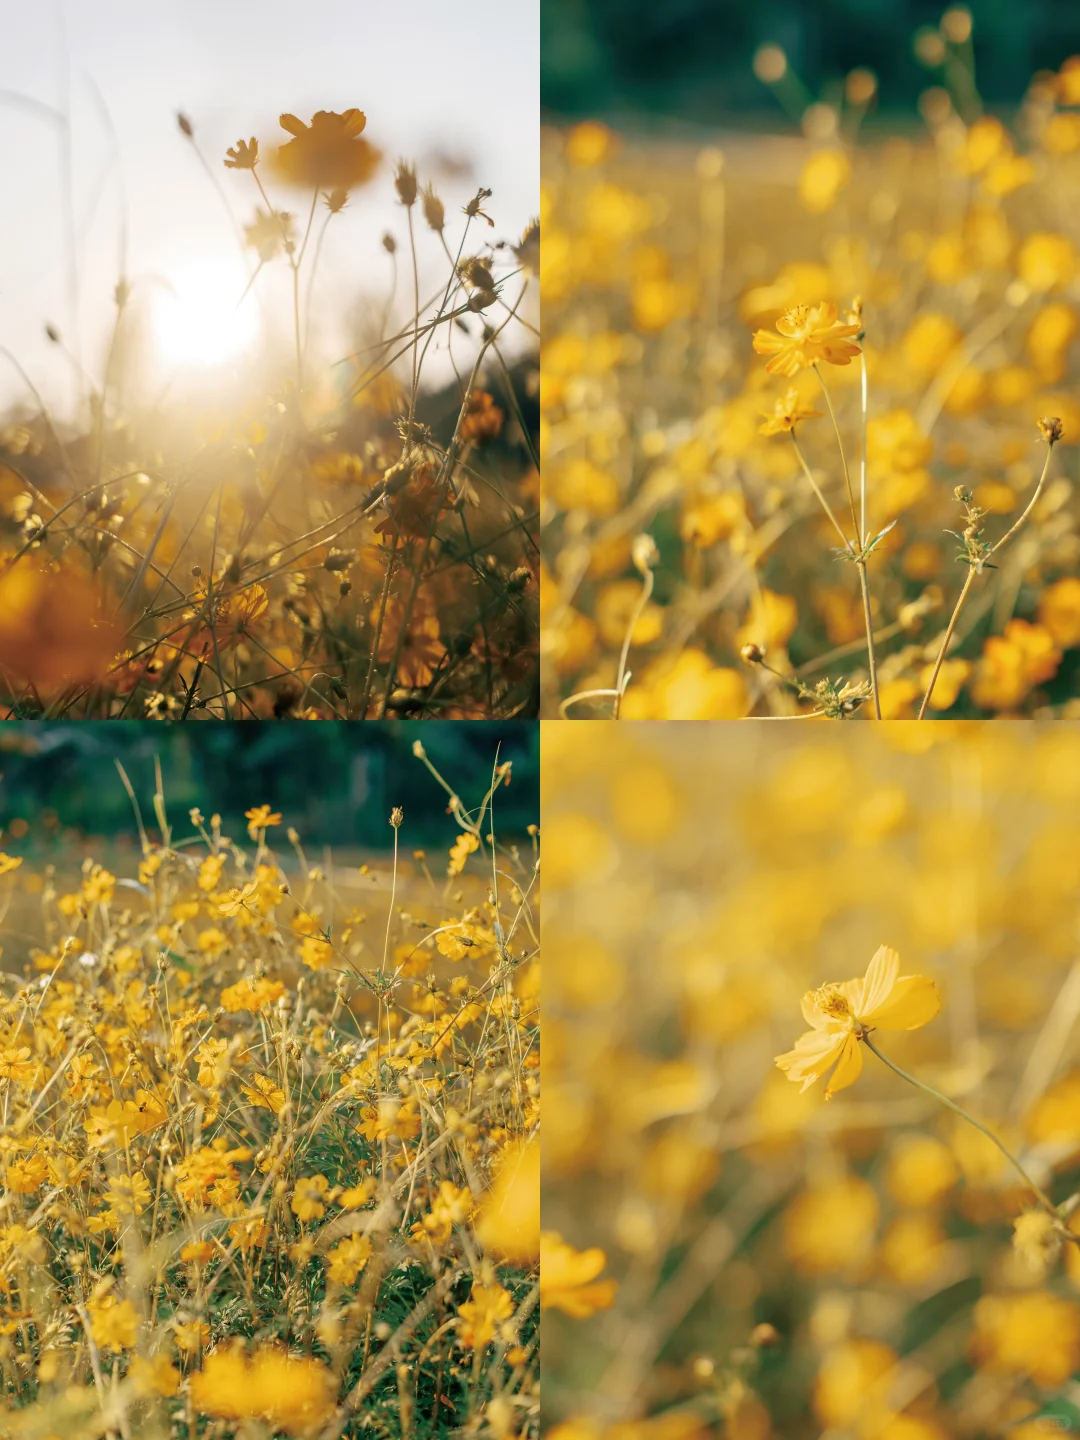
<point>199,316</point>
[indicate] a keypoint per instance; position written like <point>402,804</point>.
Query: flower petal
<point>848,1070</point>
<point>879,980</point>
<point>766,343</point>
<point>292,124</point>
<point>914,1001</point>
<point>814,1052</point>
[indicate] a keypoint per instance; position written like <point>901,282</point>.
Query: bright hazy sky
<point>431,77</point>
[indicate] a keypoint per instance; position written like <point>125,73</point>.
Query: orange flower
<point>227,615</point>
<point>807,335</point>
<point>53,626</point>
<point>328,152</point>
<point>422,650</point>
<point>482,420</point>
<point>414,510</point>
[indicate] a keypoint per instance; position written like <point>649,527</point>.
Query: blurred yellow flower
<point>1046,261</point>
<point>829,1227</point>
<point>509,1221</point>
<point>486,1308</point>
<point>1059,612</point>
<point>346,1260</point>
<point>823,176</point>
<point>1035,1334</point>
<point>841,1012</point>
<point>114,1323</point>
<point>329,152</point>
<point>788,412</point>
<point>568,1278</point>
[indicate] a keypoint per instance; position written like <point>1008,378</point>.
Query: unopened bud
<point>644,554</point>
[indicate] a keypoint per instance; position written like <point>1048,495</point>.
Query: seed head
<point>405,183</point>
<point>434,212</point>
<point>1050,429</point>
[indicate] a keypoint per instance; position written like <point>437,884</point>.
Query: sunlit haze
<point>460,100</point>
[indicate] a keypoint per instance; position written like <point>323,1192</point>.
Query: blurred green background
<point>335,783</point>
<point>692,58</point>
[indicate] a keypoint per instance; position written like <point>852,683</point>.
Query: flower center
<point>830,1000</point>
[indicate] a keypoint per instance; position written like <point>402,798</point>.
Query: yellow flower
<point>155,1377</point>
<point>115,1124</point>
<point>841,1013</point>
<point>98,886</point>
<point>807,335</point>
<point>346,1260</point>
<point>460,851</point>
<point>316,953</point>
<point>509,1221</point>
<point>787,413</point>
<point>24,1176</point>
<point>1046,261</point>
<point>1059,612</point>
<point>568,1278</point>
<point>113,1323</point>
<point>487,1305</point>
<point>9,862</point>
<point>823,176</point>
<point>15,1064</point>
<point>1035,1334</point>
<point>329,152</point>
<point>129,1196</point>
<point>238,899</point>
<point>244,155</point>
<point>309,1197</point>
<point>251,994</point>
<point>293,1393</point>
<point>452,1206</point>
<point>263,1092</point>
<point>1012,663</point>
<point>260,818</point>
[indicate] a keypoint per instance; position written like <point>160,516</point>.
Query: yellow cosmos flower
<point>841,1014</point>
<point>807,335</point>
<point>787,413</point>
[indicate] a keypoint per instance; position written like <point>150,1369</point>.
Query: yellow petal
<point>848,1070</point>
<point>814,1052</point>
<point>914,1001</point>
<point>879,980</point>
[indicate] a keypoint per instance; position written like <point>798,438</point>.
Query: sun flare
<point>200,318</point>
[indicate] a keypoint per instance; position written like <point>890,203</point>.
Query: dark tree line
<point>335,783</point>
<point>692,58</point>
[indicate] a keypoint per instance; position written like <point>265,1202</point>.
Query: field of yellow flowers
<point>739,1254</point>
<point>268,1133</point>
<point>809,420</point>
<point>342,543</point>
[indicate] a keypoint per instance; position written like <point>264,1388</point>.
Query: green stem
<point>1043,1199</point>
<point>843,457</point>
<point>945,642</point>
<point>848,545</point>
<point>869,619</point>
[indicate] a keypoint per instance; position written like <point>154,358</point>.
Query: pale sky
<point>431,77</point>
